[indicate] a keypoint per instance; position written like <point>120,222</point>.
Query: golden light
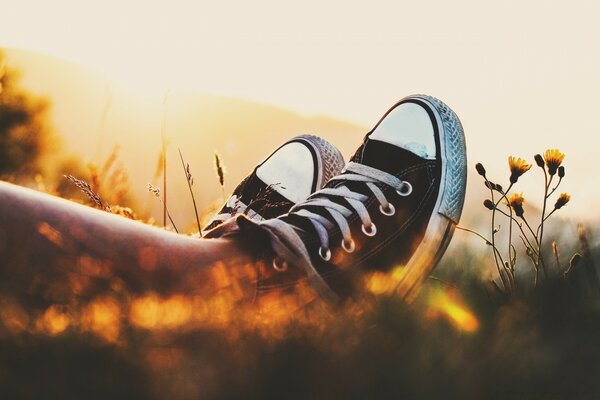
<point>381,282</point>
<point>448,304</point>
<point>13,317</point>
<point>103,318</point>
<point>52,321</point>
<point>152,312</point>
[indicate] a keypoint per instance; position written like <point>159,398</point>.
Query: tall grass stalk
<point>156,192</point>
<point>190,181</point>
<point>164,158</point>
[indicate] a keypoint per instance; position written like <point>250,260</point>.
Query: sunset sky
<point>522,75</point>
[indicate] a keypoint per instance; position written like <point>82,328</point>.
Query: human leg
<point>44,238</point>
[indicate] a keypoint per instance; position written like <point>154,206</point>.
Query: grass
<point>536,344</point>
<point>460,339</point>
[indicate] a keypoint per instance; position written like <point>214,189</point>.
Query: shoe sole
<point>448,208</point>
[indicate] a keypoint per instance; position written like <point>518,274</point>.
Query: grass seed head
<point>220,168</point>
<point>154,190</point>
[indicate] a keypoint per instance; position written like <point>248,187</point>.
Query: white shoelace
<point>237,207</point>
<point>286,240</point>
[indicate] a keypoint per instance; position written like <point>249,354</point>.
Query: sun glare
<point>448,304</point>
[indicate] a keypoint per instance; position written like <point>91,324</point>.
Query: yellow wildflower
<point>515,201</point>
<point>553,158</point>
<point>563,199</point>
<point>518,167</point>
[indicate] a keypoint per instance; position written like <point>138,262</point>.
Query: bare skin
<point>47,242</point>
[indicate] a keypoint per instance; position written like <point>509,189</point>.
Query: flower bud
<point>563,199</point>
<point>480,169</point>
<point>561,172</point>
<point>488,204</point>
<point>539,160</point>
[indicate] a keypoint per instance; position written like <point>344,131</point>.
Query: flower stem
<point>541,227</point>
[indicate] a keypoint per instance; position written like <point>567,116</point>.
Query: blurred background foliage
<point>25,135</point>
<point>32,153</point>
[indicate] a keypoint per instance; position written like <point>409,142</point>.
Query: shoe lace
<point>286,238</point>
<point>236,206</point>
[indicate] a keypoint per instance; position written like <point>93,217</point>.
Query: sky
<point>522,75</point>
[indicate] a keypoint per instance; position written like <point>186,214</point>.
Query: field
<point>523,328</point>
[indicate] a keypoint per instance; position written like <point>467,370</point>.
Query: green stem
<point>555,187</point>
<point>482,237</point>
<point>504,196</point>
<point>496,256</point>
<point>528,226</point>
<point>549,214</point>
<point>541,227</point>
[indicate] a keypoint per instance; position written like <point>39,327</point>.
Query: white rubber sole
<point>448,208</point>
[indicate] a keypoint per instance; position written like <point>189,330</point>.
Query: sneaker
<point>288,176</point>
<point>394,206</point>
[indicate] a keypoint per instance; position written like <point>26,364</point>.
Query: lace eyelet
<point>326,256</point>
<point>350,248</point>
<point>391,210</point>
<point>280,268</point>
<point>406,189</point>
<point>372,230</point>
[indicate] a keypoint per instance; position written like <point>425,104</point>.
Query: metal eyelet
<point>326,256</point>
<point>280,268</point>
<point>406,189</point>
<point>350,248</point>
<point>372,229</point>
<point>391,210</point>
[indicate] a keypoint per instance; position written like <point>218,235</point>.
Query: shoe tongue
<point>373,153</point>
<point>385,156</point>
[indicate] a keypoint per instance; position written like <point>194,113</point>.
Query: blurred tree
<point>25,134</point>
<point>32,155</point>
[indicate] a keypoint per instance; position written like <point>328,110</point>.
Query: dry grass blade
<point>590,265</point>
<point>110,161</point>
<point>86,188</point>
<point>190,180</point>
<point>156,192</point>
<point>261,203</point>
<point>556,255</point>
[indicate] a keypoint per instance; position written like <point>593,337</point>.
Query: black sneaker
<point>288,176</point>
<point>395,205</point>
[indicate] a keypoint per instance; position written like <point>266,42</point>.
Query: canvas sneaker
<point>394,206</point>
<point>288,176</point>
